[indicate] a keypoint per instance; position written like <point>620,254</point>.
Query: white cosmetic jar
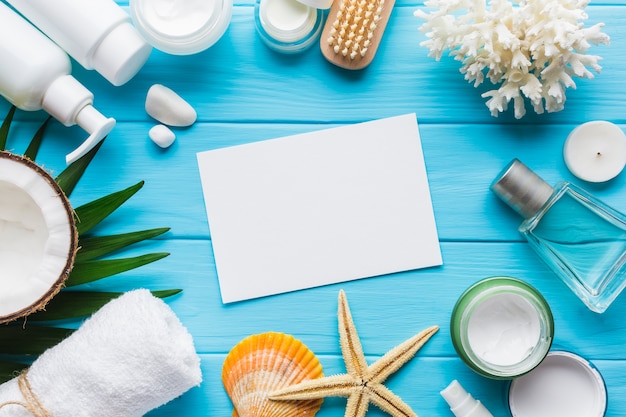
<point>564,385</point>
<point>287,26</point>
<point>182,27</point>
<point>502,327</point>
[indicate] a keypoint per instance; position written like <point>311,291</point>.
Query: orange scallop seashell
<point>263,363</point>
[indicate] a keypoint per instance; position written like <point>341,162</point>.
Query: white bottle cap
<point>70,102</point>
<point>121,54</point>
<point>463,404</point>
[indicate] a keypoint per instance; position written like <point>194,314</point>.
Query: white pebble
<point>168,107</point>
<point>162,136</point>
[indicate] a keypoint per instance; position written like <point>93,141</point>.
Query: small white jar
<point>287,26</point>
<point>502,327</point>
<point>181,27</point>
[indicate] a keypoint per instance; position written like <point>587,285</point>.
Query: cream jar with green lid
<point>502,327</point>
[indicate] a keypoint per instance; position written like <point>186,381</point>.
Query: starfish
<point>361,384</point>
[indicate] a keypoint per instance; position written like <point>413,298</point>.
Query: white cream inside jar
<point>179,18</point>
<point>504,329</point>
<point>181,27</point>
<point>287,20</point>
<point>287,26</point>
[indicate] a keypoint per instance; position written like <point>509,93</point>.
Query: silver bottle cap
<point>521,188</point>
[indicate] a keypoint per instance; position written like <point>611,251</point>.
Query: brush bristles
<point>354,26</point>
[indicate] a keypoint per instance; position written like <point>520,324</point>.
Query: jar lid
<point>184,27</point>
<point>522,189</point>
<point>564,385</point>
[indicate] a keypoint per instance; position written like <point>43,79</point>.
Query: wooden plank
<point>239,79</point>
<point>462,161</point>
<point>418,384</point>
<point>386,310</point>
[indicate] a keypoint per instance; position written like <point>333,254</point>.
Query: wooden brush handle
<point>358,62</point>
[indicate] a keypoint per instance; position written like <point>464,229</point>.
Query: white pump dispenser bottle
<point>34,75</point>
<point>98,34</point>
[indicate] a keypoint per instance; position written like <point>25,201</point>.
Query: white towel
<point>130,357</point>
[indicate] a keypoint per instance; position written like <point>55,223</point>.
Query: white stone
<point>162,136</point>
<point>168,107</point>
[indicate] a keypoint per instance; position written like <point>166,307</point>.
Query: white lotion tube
<point>34,75</point>
<point>98,34</point>
<point>461,403</point>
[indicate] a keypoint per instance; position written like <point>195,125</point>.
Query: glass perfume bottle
<point>582,239</point>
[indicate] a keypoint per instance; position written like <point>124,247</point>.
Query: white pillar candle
<point>595,151</point>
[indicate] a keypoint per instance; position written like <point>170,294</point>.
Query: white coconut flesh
<point>37,237</point>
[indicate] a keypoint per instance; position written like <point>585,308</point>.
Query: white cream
<point>504,329</point>
<point>178,18</point>
<point>287,20</point>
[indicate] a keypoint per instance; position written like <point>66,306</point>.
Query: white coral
<point>530,48</point>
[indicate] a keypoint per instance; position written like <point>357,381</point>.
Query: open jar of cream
<point>287,26</point>
<point>502,327</point>
<point>182,27</point>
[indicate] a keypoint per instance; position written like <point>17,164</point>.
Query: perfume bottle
<point>580,238</point>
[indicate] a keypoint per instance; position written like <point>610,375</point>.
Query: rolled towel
<point>130,357</point>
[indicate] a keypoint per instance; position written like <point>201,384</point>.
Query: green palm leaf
<point>9,370</point>
<point>33,147</point>
<point>30,340</point>
<point>92,247</point>
<point>89,271</point>
<point>4,128</point>
<point>69,177</point>
<point>91,214</point>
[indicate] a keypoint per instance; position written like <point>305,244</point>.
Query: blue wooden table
<point>243,92</point>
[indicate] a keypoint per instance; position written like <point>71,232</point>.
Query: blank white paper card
<point>319,208</point>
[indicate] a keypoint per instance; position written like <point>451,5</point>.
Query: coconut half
<point>38,238</point>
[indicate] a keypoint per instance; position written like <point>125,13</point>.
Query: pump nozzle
<point>70,102</point>
<point>98,126</point>
<point>463,404</point>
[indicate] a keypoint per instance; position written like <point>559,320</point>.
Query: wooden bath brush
<point>353,31</point>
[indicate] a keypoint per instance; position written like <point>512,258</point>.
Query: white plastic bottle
<point>34,75</point>
<point>98,34</point>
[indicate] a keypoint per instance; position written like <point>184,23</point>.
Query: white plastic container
<point>34,75</point>
<point>181,27</point>
<point>98,34</point>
